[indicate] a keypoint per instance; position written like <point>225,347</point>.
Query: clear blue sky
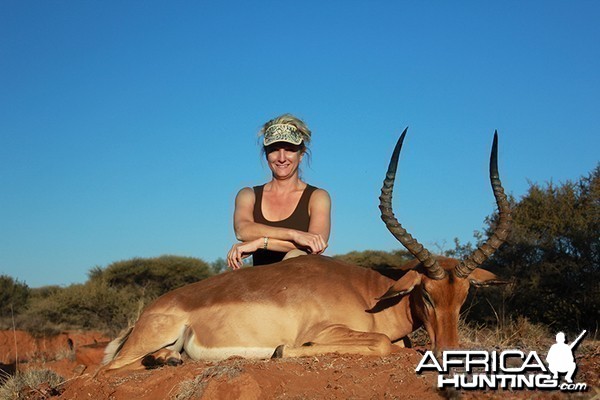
<point>127,127</point>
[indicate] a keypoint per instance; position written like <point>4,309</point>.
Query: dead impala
<point>313,304</point>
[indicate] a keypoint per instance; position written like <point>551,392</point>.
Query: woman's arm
<point>247,230</point>
<point>252,234</point>
<point>319,211</point>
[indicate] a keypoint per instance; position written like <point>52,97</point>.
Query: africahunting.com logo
<point>508,369</point>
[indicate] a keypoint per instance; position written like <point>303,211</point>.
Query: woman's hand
<point>239,251</point>
<point>311,241</point>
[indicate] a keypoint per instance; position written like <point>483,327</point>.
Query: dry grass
<point>521,334</point>
<point>419,338</point>
<point>31,384</point>
<point>518,334</point>
<point>193,388</point>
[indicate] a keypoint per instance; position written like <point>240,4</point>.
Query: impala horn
<point>503,226</point>
<point>432,268</point>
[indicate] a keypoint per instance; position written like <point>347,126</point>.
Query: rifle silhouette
<point>576,341</point>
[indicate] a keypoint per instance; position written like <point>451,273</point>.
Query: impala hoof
<point>173,361</point>
<point>278,353</point>
<point>151,362</point>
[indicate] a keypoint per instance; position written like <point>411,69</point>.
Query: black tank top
<point>299,220</point>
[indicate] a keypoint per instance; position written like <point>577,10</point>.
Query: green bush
<point>13,296</point>
<point>112,298</point>
<point>553,256</point>
<point>153,277</point>
<point>92,306</point>
<point>376,258</point>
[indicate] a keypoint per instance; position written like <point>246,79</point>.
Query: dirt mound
<point>20,346</point>
<point>331,376</point>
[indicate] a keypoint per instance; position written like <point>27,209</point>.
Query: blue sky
<point>127,128</point>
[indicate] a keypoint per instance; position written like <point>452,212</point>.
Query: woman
<point>285,217</point>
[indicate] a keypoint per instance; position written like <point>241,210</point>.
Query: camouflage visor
<point>282,133</point>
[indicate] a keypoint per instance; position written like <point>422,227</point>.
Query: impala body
<point>312,304</point>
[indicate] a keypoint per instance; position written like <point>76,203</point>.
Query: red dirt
<point>20,344</point>
<point>329,376</point>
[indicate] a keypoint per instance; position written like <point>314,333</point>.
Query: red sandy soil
<point>329,376</point>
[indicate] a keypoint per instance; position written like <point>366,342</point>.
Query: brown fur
<point>310,299</point>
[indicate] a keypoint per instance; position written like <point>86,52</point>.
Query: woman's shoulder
<point>317,190</point>
<point>246,190</point>
<point>320,195</point>
<point>246,194</point>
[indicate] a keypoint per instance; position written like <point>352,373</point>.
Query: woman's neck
<point>286,185</point>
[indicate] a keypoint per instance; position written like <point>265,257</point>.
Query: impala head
<point>438,286</point>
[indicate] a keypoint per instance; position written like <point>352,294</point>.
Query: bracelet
<point>265,242</point>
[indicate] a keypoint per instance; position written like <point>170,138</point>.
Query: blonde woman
<point>285,217</point>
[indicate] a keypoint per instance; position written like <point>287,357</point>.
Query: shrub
<point>376,258</point>
<point>13,296</point>
<point>112,298</point>
<point>93,305</point>
<point>553,255</point>
<point>153,276</point>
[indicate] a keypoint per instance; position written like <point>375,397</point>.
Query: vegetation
<point>35,383</point>
<point>152,277</point>
<point>552,255</point>
<point>194,388</point>
<point>13,296</point>
<point>376,258</point>
<point>94,305</point>
<point>109,301</point>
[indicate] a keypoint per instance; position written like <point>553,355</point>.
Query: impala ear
<point>403,286</point>
<point>484,278</point>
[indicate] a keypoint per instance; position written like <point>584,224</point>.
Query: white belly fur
<point>218,354</point>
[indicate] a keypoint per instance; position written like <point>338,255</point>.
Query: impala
<point>313,304</point>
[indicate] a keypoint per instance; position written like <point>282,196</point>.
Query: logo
<point>508,369</point>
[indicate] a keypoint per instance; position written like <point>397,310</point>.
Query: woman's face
<point>284,159</point>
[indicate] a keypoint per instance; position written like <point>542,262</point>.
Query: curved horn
<point>432,268</point>
<point>503,227</point>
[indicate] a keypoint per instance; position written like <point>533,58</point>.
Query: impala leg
<point>156,339</point>
<point>340,339</point>
<point>170,355</point>
<point>294,253</point>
